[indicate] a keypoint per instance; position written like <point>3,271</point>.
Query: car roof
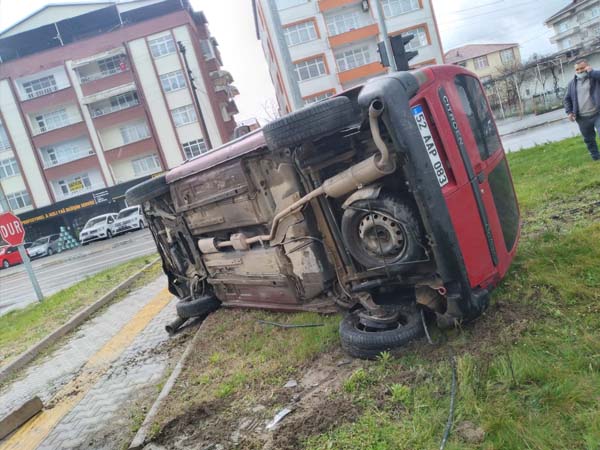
<point>130,207</point>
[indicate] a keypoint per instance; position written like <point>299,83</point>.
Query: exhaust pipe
<point>172,327</point>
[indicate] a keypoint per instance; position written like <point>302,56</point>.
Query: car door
<point>110,221</point>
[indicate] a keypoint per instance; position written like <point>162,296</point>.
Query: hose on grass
<point>452,359</point>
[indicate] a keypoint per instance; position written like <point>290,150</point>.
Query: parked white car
<point>98,227</point>
<point>44,246</point>
<point>130,219</point>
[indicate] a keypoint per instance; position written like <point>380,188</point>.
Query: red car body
<point>9,256</point>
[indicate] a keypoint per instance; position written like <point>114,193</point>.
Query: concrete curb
<point>141,436</point>
<point>73,323</point>
<point>520,130</point>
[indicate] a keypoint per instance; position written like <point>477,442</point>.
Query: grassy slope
<point>529,370</point>
<point>22,328</point>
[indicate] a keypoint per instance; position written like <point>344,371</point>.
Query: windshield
<point>40,241</point>
<point>127,212</point>
<point>95,221</point>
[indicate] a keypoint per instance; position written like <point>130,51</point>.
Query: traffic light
<point>401,55</point>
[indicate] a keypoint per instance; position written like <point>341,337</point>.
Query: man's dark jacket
<point>571,102</point>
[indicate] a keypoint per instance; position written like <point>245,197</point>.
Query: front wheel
<point>5,264</point>
<point>108,234</point>
<point>366,337</point>
<point>50,252</point>
<point>141,225</point>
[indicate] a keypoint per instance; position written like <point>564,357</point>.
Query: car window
<point>40,241</point>
<point>95,221</point>
<point>111,219</point>
<point>127,212</point>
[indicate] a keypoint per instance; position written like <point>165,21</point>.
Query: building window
<point>481,62</point>
<point>8,168</point>
<point>65,152</point>
<point>300,33</point>
<point>75,185</point>
<point>318,98</point>
<point>341,23</point>
<point>311,68</point>
<point>419,40</point>
<point>18,200</point>
<point>4,142</point>
<point>146,165</point>
<point>563,26</point>
<point>173,81</point>
<point>134,132</point>
<point>393,8</point>
<point>183,115</point>
<point>283,4</point>
<point>39,87</point>
<point>52,120</point>
<point>351,59</point>
<point>194,148</point>
<point>207,48</point>
<point>162,46</point>
<point>112,65</point>
<point>123,101</point>
<point>507,56</point>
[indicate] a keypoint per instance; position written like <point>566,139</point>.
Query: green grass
<point>24,327</point>
<point>538,388</point>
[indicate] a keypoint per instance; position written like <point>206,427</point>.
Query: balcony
<point>119,116</point>
<point>71,167</point>
<point>109,82</point>
<point>131,150</point>
<point>57,97</point>
<point>357,34</point>
<point>366,71</point>
<point>328,5</point>
<point>60,134</point>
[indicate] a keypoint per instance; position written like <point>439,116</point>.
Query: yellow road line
<point>31,435</point>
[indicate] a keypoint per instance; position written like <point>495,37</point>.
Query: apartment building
<point>315,48</point>
<point>576,24</point>
<point>96,97</point>
<point>486,60</point>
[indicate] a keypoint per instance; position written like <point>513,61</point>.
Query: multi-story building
<point>315,48</point>
<point>486,60</point>
<point>96,97</point>
<point>576,24</point>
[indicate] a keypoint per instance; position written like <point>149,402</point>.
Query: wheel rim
<point>392,320</point>
<point>382,237</point>
<point>5,264</point>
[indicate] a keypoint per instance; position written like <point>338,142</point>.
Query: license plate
<point>432,150</point>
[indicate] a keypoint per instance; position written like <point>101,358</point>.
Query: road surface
<point>65,269</point>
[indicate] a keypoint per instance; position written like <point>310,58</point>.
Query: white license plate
<point>432,150</point>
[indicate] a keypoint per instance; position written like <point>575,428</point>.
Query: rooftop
<point>471,51</point>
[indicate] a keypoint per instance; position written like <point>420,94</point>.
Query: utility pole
<point>22,252</point>
<point>182,50</point>
<point>386,39</point>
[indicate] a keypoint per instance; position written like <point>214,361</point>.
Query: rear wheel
<point>363,336</point>
<point>197,307</point>
<point>108,234</point>
<point>50,252</point>
<point>5,264</point>
<point>141,225</point>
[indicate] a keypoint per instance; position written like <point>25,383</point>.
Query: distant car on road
<point>9,256</point>
<point>99,227</point>
<point>44,246</point>
<point>130,219</point>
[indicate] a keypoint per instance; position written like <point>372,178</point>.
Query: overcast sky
<point>460,22</point>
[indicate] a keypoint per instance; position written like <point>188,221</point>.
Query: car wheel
<point>141,225</point>
<point>5,264</point>
<point>108,234</point>
<point>383,231</point>
<point>307,124</point>
<point>50,252</point>
<point>366,339</point>
<point>197,307</point>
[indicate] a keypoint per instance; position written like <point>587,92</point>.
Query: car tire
<point>197,307</point>
<point>141,225</point>
<point>109,234</point>
<point>366,219</point>
<point>364,343</point>
<point>310,123</point>
<point>147,190</point>
<point>5,264</point>
<point>50,252</point>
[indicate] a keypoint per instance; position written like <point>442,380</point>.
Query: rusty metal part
<point>431,299</point>
<point>208,245</point>
<point>366,300</point>
<point>385,160</point>
<point>239,241</point>
<point>367,193</point>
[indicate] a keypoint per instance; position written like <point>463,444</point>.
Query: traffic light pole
<point>386,38</point>
<point>23,253</point>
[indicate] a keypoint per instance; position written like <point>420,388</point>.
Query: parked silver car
<point>99,227</point>
<point>129,219</point>
<point>44,246</point>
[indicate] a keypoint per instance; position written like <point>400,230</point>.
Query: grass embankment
<point>19,329</point>
<point>529,370</point>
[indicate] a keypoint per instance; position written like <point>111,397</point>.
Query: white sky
<point>460,22</point>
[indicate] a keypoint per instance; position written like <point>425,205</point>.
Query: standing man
<point>582,104</point>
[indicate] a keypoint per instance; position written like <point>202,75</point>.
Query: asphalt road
<point>62,270</point>
<point>551,132</point>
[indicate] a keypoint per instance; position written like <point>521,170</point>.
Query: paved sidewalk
<point>87,381</point>
<point>514,125</point>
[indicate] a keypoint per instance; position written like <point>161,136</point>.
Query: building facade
<point>486,60</point>
<point>316,48</point>
<point>96,97</point>
<point>576,24</point>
